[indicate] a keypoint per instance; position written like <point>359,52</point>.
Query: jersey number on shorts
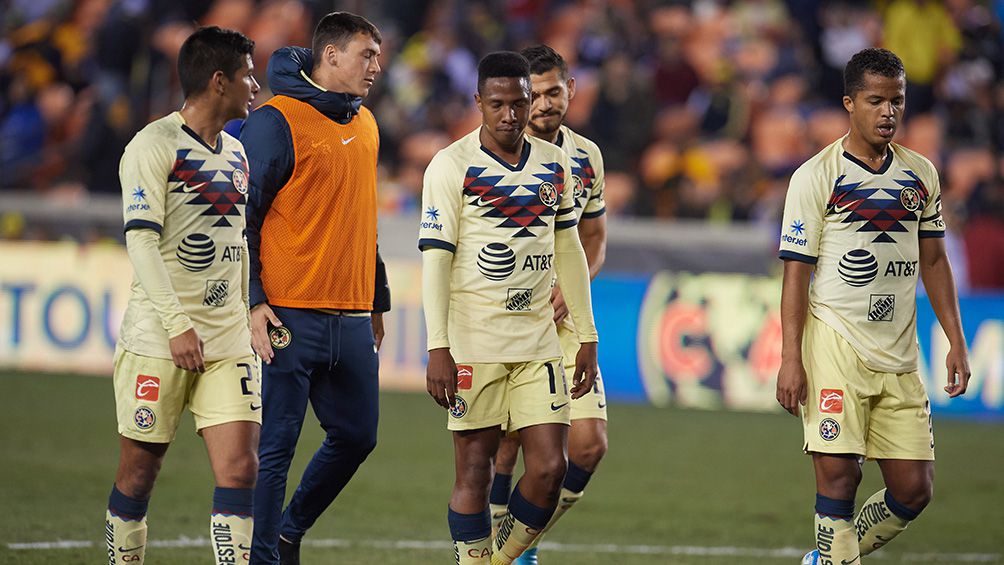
<point>552,380</point>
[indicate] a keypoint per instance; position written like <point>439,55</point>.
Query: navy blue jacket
<point>268,144</point>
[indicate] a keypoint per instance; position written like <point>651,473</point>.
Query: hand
<point>958,371</point>
<point>261,316</point>
<point>378,333</point>
<point>792,390</point>
<point>558,303</point>
<point>186,351</point>
<point>441,377</point>
<point>585,370</point>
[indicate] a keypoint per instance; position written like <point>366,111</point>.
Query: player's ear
<point>217,83</point>
<point>477,101</point>
<point>331,52</point>
<point>849,104</point>
<point>571,87</point>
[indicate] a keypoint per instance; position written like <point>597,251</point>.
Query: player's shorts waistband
<point>347,313</point>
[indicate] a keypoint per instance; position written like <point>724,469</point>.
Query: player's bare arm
<point>186,351</point>
<point>261,316</point>
<point>441,377</point>
<point>593,235</point>
<point>936,272</point>
<point>791,379</point>
<point>585,370</point>
<point>378,331</point>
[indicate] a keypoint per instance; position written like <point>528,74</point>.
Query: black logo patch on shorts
<point>829,429</point>
<point>518,299</point>
<point>280,337</point>
<point>217,291</point>
<point>881,307</point>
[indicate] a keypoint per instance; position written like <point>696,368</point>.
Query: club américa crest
<point>280,337</point>
<point>910,198</point>
<point>240,181</point>
<point>829,429</point>
<point>577,186</point>
<point>459,408</point>
<point>144,418</point>
<point>548,194</point>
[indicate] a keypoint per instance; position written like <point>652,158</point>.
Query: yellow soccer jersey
<point>499,222</point>
<point>194,196</point>
<point>587,173</point>
<point>861,229</point>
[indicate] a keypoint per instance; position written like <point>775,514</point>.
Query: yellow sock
<point>498,512</point>
<point>565,502</point>
<point>231,538</point>
<point>512,540</point>
<point>478,552</point>
<point>126,540</point>
<point>836,541</point>
<point>877,524</point>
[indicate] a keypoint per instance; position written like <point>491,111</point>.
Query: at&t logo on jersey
<point>831,401</point>
<point>858,267</point>
<point>196,252</point>
<point>496,261</point>
<point>540,262</point>
<point>147,388</point>
<point>431,221</point>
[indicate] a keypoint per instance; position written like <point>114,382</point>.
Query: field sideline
<point>678,486</point>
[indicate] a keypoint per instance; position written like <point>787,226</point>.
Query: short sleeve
<point>804,209</point>
<point>442,191</point>
<point>595,205</point>
<point>143,172</point>
<point>565,217</point>
<point>931,223</point>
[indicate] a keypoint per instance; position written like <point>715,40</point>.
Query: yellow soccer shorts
<point>593,404</point>
<point>510,395</point>
<point>853,409</point>
<point>151,393</point>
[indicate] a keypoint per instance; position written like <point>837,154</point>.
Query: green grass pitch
<point>713,482</point>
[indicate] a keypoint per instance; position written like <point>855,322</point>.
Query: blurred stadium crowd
<point>702,108</point>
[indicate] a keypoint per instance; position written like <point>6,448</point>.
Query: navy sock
<point>469,527</point>
<point>501,486</point>
<point>233,501</point>
<point>526,512</point>
<point>899,509</point>
<point>126,507</point>
<point>838,509</point>
<point>576,478</point>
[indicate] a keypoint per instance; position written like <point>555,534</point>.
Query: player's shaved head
<point>338,29</point>
<point>542,59</point>
<point>881,62</point>
<point>502,64</point>
<point>208,50</point>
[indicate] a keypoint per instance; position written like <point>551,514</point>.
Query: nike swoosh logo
<point>253,407</point>
<point>347,141</point>
<point>131,549</point>
<point>852,561</point>
<point>601,404</point>
<point>558,407</point>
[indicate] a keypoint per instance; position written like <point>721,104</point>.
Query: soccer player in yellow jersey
<point>862,220</point>
<point>552,89</point>
<point>498,218</point>
<point>185,337</point>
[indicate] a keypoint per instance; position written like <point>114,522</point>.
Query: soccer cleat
<point>289,552</point>
<point>811,558</point>
<point>528,557</point>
